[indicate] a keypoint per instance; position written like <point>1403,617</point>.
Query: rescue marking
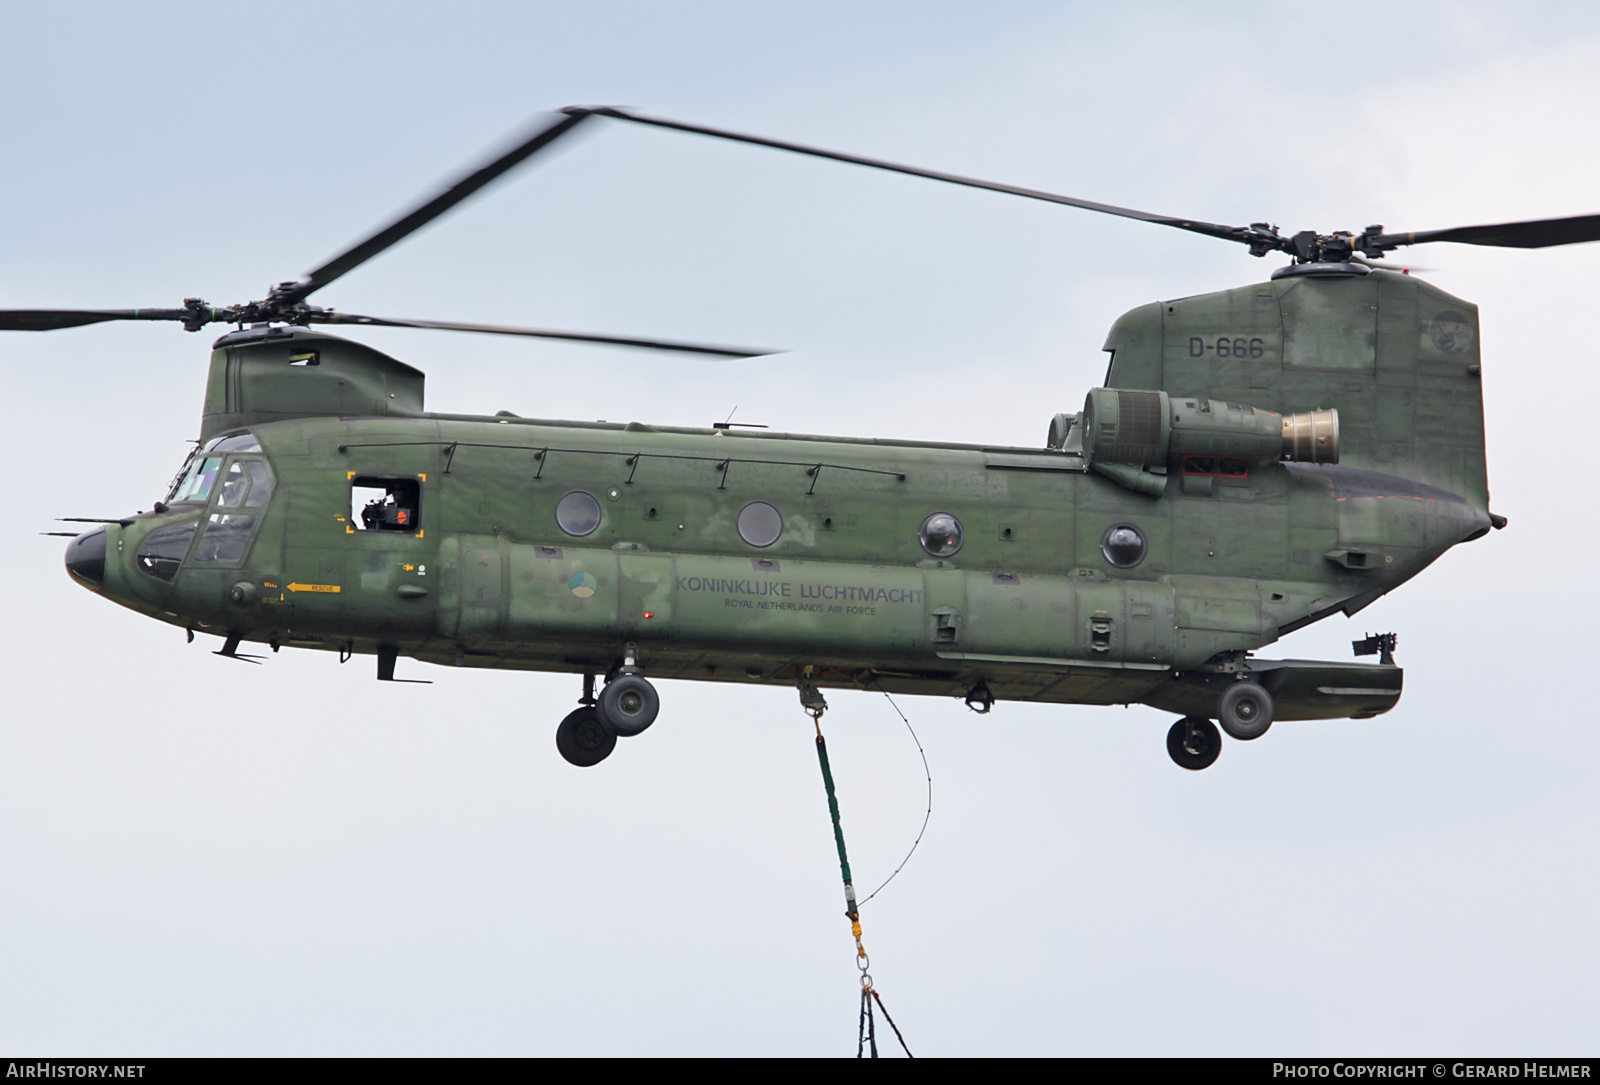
<point>330,588</point>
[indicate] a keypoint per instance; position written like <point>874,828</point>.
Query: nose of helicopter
<point>86,558</point>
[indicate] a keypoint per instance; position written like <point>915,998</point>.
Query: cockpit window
<point>234,442</point>
<point>197,482</point>
<point>226,538</point>
<point>245,483</point>
<point>162,550</point>
<point>260,484</point>
<point>235,484</point>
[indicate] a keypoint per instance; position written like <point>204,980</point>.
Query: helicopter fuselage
<point>1258,459</point>
<point>751,557</point>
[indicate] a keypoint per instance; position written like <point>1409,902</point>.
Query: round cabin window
<point>578,513</point>
<point>941,534</point>
<point>760,524</point>
<point>1123,545</point>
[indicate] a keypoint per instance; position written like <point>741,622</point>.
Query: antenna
<point>728,423</point>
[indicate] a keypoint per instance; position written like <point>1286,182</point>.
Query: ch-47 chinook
<point>1258,459</point>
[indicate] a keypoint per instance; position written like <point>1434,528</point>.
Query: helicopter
<point>1255,460</point>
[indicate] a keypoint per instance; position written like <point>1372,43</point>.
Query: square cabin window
<point>386,504</point>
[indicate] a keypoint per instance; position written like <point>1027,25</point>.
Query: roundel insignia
<point>581,584</point>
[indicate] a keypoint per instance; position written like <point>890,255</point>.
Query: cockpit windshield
<point>199,472</point>
<point>234,442</point>
<point>239,490</point>
<point>196,481</point>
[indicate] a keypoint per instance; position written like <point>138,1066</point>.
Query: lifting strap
<point>866,1037</point>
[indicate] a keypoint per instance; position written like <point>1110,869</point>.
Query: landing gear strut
<point>583,739</point>
<point>627,705</point>
<point>1194,742</point>
<point>1245,711</point>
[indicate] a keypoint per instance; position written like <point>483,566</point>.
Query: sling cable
<point>866,1033</point>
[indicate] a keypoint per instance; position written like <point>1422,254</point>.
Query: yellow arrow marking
<point>314,587</point>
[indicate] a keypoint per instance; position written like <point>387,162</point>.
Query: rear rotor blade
<point>1247,235</point>
<point>540,333</point>
<point>1532,234</point>
<point>365,250</point>
<point>45,320</point>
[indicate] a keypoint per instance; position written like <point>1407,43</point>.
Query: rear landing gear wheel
<point>583,739</point>
<point>1245,711</point>
<point>628,705</point>
<point>1194,742</point>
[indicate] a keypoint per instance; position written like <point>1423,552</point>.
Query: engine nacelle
<point>1141,429</point>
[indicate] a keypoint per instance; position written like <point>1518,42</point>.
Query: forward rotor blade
<point>1244,235</point>
<point>1533,234</point>
<point>541,333</point>
<point>45,320</point>
<point>365,250</point>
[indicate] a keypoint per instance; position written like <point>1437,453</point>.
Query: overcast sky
<point>202,857</point>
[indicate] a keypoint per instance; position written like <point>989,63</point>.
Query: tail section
<point>1396,356</point>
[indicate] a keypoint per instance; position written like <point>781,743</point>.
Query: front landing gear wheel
<point>628,705</point>
<point>583,739</point>
<point>1194,742</point>
<point>1245,711</point>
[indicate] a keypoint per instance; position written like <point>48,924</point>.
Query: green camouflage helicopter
<point>1258,459</point>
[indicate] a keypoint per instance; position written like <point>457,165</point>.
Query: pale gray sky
<point>199,857</point>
